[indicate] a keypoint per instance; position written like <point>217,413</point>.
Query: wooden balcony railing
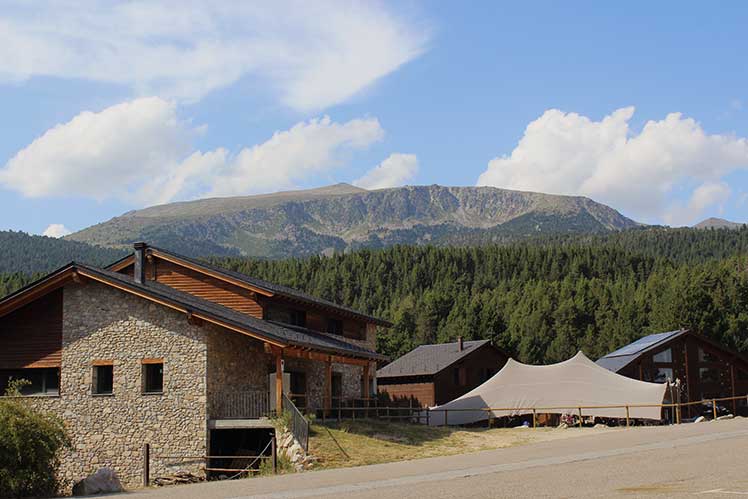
<point>250,404</point>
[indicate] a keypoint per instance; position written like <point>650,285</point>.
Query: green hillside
<point>342,217</point>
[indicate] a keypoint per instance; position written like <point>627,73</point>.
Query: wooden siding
<point>201,285</point>
<point>471,372</point>
<point>422,393</point>
<point>686,365</point>
<point>32,335</point>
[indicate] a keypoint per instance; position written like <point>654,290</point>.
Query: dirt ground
<point>355,443</point>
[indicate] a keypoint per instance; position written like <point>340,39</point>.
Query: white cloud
<point>307,149</point>
<point>56,230</point>
<point>394,171</point>
<point>315,53</point>
<point>566,153</point>
<point>706,196</point>
<point>140,152</point>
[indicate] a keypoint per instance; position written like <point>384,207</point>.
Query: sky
<point>107,107</point>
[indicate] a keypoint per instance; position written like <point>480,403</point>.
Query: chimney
<point>139,270</point>
<point>459,344</point>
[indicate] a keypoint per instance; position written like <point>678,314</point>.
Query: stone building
<point>162,349</point>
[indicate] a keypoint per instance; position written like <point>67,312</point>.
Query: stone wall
<point>236,363</point>
<point>104,324</point>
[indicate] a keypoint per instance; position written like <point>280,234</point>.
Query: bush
<point>30,442</point>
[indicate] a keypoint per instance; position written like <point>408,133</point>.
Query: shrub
<point>30,442</point>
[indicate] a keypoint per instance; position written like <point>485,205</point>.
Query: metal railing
<point>248,404</point>
<point>299,425</point>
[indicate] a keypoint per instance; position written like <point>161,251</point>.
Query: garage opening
<point>242,448</point>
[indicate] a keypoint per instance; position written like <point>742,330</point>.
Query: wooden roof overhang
<point>80,274</point>
<point>155,252</point>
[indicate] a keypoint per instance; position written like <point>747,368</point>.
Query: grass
<point>361,442</point>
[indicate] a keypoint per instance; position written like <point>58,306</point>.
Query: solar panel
<point>642,344</point>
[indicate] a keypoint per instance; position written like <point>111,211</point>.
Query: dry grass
<point>360,442</point>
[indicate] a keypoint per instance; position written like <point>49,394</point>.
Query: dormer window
<point>286,315</point>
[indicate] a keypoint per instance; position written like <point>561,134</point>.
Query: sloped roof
<point>272,331</point>
<point>429,359</point>
<point>275,289</point>
<point>617,360</point>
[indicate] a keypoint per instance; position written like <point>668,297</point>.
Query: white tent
<point>576,382</point>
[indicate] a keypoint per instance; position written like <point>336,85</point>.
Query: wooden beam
<point>365,384</point>
<point>328,387</point>
<point>732,388</point>
<point>278,381</point>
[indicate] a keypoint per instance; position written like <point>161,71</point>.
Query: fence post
<point>580,416</point>
<point>677,412</point>
<point>714,408</point>
<point>274,454</point>
<point>627,416</point>
<point>428,417</point>
<point>446,412</point>
<point>534,418</point>
<point>146,465</point>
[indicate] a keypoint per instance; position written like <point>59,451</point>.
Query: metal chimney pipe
<point>459,343</point>
<point>139,270</point>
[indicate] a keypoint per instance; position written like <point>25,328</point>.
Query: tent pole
<point>627,416</point>
<point>534,419</point>
<point>580,416</point>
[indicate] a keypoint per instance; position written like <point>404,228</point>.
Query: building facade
<point>161,349</point>
<point>433,375</point>
<point>702,368</point>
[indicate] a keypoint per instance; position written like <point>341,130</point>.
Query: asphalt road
<point>706,459</point>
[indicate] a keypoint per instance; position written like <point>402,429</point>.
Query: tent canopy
<point>557,388</point>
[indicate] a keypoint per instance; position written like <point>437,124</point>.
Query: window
<point>664,356</point>
<point>153,376</point>
<point>286,315</point>
<point>103,379</point>
<point>335,326</point>
<point>709,375</point>
<point>663,374</point>
<point>43,381</point>
<point>706,356</point>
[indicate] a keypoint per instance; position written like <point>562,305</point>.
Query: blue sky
<point>640,105</point>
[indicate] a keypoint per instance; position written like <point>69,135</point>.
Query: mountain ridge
<point>717,223</point>
<point>342,217</point>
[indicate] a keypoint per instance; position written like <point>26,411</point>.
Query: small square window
<point>103,380</point>
<point>153,377</point>
<point>335,326</point>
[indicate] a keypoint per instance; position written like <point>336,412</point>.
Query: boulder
<point>726,416</point>
<point>103,481</point>
<point>700,419</point>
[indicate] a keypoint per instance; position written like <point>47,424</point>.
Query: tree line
<point>541,300</point>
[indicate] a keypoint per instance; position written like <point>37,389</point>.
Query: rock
<point>700,419</point>
<point>103,481</point>
<point>726,416</point>
<point>600,425</point>
<point>563,426</point>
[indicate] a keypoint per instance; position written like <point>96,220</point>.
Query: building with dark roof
<point>170,349</point>
<point>435,374</point>
<point>704,368</point>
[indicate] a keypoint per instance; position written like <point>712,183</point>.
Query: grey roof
<point>267,329</point>
<point>276,289</point>
<point>428,359</point>
<point>617,360</point>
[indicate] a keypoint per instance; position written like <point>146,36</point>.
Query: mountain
<point>343,217</point>
<point>24,253</point>
<point>717,223</point>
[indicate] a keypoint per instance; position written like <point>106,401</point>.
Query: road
<point>705,459</point>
